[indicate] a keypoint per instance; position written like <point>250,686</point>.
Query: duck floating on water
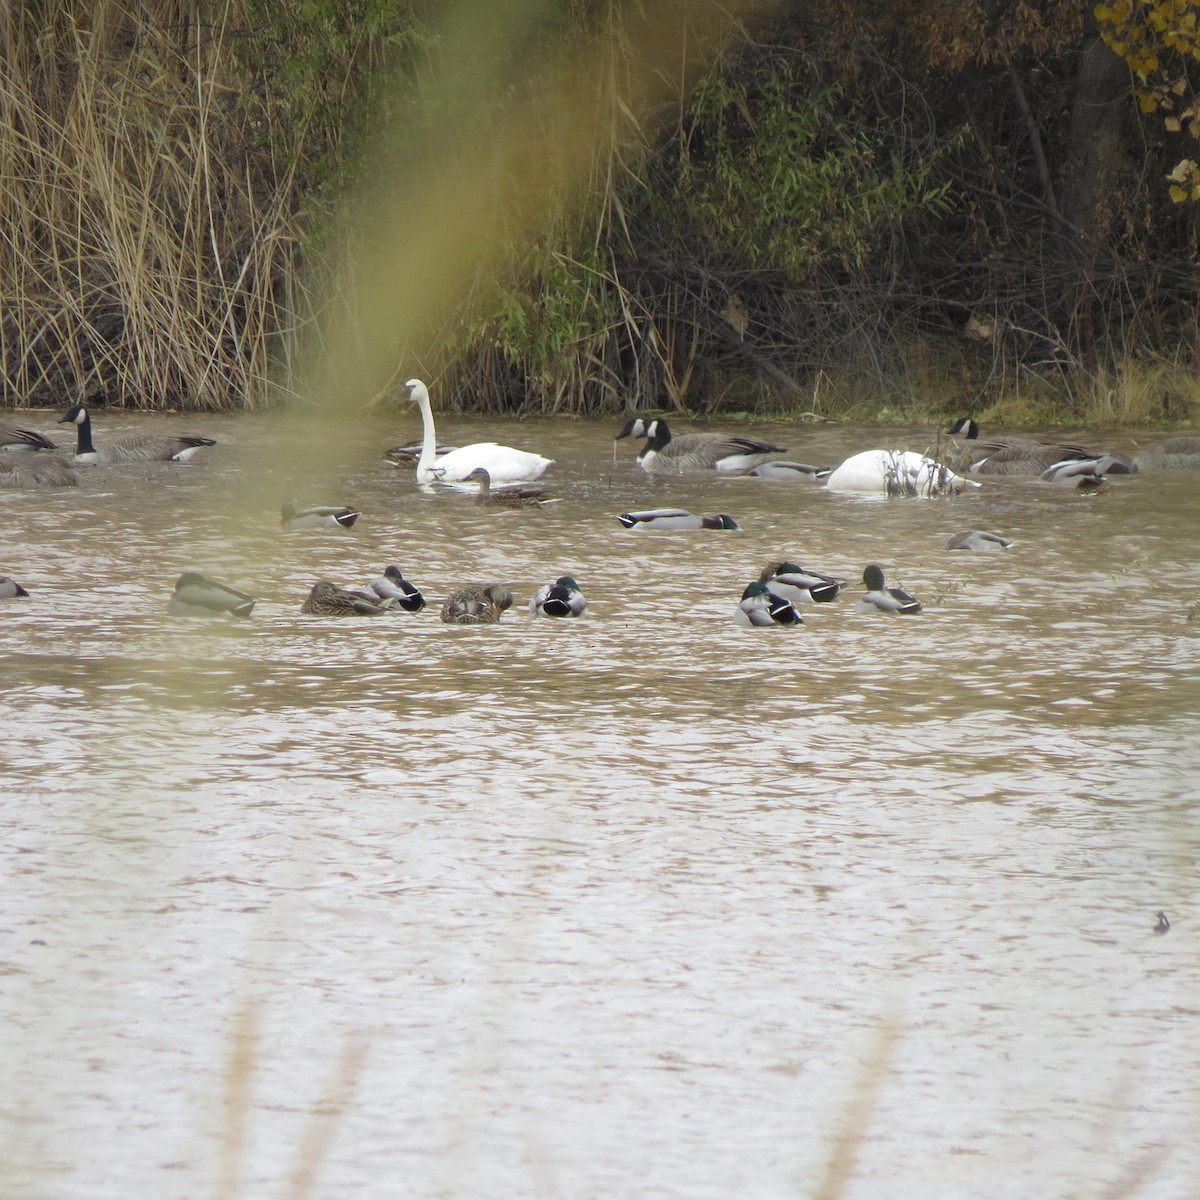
<point>10,589</point>
<point>675,518</point>
<point>504,464</point>
<point>761,608</point>
<point>479,604</point>
<point>329,600</point>
<point>562,598</point>
<point>196,595</point>
<point>800,585</point>
<point>525,495</point>
<point>395,591</point>
<point>881,598</point>
<point>321,516</point>
<point>977,539</point>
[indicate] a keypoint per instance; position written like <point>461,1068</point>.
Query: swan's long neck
<point>425,470</point>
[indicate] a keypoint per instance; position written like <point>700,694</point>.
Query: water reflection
<point>618,905</point>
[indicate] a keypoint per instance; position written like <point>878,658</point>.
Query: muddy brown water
<point>643,904</point>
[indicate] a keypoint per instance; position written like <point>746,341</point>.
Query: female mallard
<point>761,607</point>
<point>674,518</point>
<point>396,592</point>
<point>800,584</point>
<point>10,589</point>
<point>480,604</point>
<point>896,473</point>
<point>523,496</point>
<point>321,516</point>
<point>328,600</point>
<point>881,598</point>
<point>701,451</point>
<point>130,447</point>
<point>562,598</point>
<point>36,470</point>
<point>197,596</point>
<point>977,539</point>
<point>503,463</point>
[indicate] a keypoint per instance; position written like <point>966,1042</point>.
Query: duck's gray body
<point>881,598</point>
<point>562,598</point>
<point>977,539</point>
<point>130,447</point>
<point>674,518</point>
<point>197,596</point>
<point>479,604</point>
<point>787,472</point>
<point>10,589</point>
<point>328,600</point>
<point>762,608</point>
<point>397,592</point>
<point>800,585</point>
<point>321,516</point>
<point>37,471</point>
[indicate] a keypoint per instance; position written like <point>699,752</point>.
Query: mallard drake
<point>504,464</point>
<point>760,607</point>
<point>977,539</point>
<point>479,604</point>
<point>519,496</point>
<point>130,447</point>
<point>799,584</point>
<point>14,439</point>
<point>37,470</point>
<point>197,596</point>
<point>787,472</point>
<point>1072,470</point>
<point>896,473</point>
<point>881,598</point>
<point>319,517</point>
<point>1175,454</point>
<point>407,455</point>
<point>395,591</point>
<point>328,600</point>
<point>675,518</point>
<point>700,451</point>
<point>10,589</point>
<point>562,598</point>
<point>1012,455</point>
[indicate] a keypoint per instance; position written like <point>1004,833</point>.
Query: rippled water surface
<point>639,905</point>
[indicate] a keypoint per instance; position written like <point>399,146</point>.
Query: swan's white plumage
<point>503,463</point>
<point>895,472</point>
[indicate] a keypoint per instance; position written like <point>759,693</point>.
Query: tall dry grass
<point>147,242</point>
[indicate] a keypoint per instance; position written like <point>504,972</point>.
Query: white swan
<point>502,463</point>
<point>896,473</point>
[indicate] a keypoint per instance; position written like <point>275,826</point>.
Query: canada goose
<point>503,463</point>
<point>328,600</point>
<point>700,451</point>
<point>10,589</point>
<point>394,590</point>
<point>562,598</point>
<point>196,596</point>
<point>527,495</point>
<point>14,439</point>
<point>760,607</point>
<point>37,470</point>
<point>799,584</point>
<point>977,539</point>
<point>896,473</point>
<point>480,604</point>
<point>1011,455</point>
<point>1175,454</point>
<point>674,518</point>
<point>130,447</point>
<point>881,598</point>
<point>321,516</point>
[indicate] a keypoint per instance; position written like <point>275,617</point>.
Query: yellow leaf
<point>1178,194</point>
<point>1173,124</point>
